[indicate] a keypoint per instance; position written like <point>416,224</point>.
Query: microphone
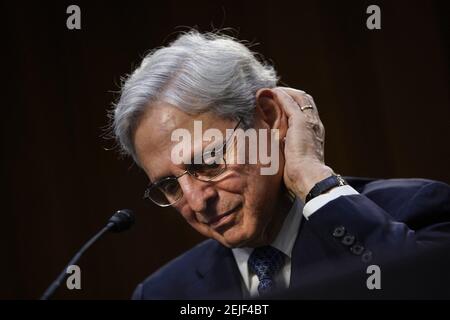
<point>120,221</point>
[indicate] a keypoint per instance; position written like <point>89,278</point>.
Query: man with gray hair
<point>267,232</point>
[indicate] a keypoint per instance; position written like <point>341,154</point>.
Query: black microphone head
<point>121,220</point>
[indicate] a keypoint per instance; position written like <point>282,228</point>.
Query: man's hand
<point>304,142</point>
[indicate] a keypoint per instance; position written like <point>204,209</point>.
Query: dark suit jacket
<point>388,218</point>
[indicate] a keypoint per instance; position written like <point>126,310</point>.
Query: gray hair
<point>196,73</point>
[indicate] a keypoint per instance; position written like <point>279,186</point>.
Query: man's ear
<point>270,111</point>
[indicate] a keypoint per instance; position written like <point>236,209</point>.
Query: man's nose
<point>199,194</point>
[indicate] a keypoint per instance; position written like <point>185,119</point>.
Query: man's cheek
<point>183,208</point>
<point>188,215</point>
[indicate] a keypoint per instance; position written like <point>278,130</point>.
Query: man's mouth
<point>223,218</point>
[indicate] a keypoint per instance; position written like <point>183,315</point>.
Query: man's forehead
<point>168,118</point>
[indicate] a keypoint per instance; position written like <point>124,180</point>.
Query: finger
<point>304,100</point>
<point>299,96</point>
<point>312,102</point>
<point>289,105</point>
<point>310,115</point>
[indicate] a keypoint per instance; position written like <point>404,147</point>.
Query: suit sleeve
<point>354,225</point>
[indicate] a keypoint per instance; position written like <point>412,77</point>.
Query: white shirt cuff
<point>318,202</point>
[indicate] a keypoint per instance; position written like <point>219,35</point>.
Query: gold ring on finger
<point>306,107</point>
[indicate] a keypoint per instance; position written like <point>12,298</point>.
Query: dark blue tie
<point>265,262</point>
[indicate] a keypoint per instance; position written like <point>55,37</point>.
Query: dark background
<point>382,95</point>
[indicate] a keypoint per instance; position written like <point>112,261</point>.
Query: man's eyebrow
<point>162,177</point>
<point>217,145</point>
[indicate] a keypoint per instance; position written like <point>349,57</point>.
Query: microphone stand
<point>120,221</point>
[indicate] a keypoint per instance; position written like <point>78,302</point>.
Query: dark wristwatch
<point>323,186</point>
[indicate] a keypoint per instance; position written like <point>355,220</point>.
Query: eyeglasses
<point>167,191</point>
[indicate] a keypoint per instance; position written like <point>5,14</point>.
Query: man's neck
<point>281,210</point>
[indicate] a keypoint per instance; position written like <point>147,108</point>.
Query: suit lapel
<point>219,276</point>
<point>308,253</point>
